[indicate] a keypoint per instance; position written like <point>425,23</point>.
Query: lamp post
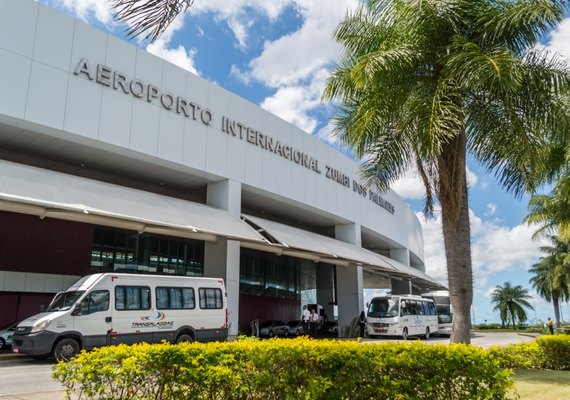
<point>535,315</point>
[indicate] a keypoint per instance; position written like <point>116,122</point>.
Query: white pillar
<point>350,288</point>
<point>222,258</point>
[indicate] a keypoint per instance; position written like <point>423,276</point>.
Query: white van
<point>405,315</point>
<point>107,309</point>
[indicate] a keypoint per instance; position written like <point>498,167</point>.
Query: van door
<point>92,318</point>
<point>211,313</point>
<point>133,318</point>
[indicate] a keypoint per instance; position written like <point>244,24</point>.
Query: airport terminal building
<point>113,159</point>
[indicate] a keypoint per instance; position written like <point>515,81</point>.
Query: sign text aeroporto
<point>190,109</point>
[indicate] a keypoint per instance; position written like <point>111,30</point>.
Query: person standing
<point>550,325</point>
<point>313,323</point>
<point>305,316</point>
<point>362,322</point>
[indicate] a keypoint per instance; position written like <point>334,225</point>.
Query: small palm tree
<point>552,275</point>
<point>551,212</point>
<point>513,300</point>
<point>423,83</point>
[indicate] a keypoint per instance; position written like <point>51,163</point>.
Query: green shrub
<point>285,369</point>
<point>550,352</point>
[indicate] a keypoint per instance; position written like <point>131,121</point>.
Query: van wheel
<point>65,349</point>
<point>405,333</point>
<point>427,334</point>
<point>184,338</point>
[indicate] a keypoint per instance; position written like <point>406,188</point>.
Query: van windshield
<point>383,307</point>
<point>64,301</point>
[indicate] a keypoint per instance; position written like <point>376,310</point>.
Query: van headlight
<point>41,326</point>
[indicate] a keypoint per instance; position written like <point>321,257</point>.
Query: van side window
<point>132,298</point>
<point>175,298</point>
<point>210,298</point>
<point>406,308</point>
<point>97,300</point>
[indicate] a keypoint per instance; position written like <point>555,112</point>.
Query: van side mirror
<point>76,310</point>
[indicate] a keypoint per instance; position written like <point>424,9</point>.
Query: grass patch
<point>540,384</point>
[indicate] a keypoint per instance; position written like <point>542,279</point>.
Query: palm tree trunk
<point>457,236</point>
<point>556,305</point>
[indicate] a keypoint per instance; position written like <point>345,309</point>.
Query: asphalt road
<point>22,378</point>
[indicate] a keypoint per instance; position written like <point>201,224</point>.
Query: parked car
<point>295,328</point>
<point>6,335</point>
<point>273,328</point>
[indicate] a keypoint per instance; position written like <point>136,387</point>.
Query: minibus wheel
<point>405,333</point>
<point>65,349</point>
<point>184,338</point>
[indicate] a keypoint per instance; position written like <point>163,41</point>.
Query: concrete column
<point>222,258</point>
<point>350,288</point>
<point>403,286</point>
<point>325,288</point>
<point>225,195</point>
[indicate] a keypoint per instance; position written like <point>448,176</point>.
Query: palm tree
<point>513,300</point>
<point>552,275</point>
<point>148,18</point>
<point>552,211</point>
<point>422,82</point>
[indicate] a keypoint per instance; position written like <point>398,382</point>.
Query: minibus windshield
<point>384,307</point>
<point>64,301</point>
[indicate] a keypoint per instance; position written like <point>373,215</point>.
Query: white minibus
<point>405,315</point>
<point>112,308</point>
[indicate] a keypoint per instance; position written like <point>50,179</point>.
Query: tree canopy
<point>423,83</point>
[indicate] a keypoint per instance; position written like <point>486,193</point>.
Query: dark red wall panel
<point>52,246</point>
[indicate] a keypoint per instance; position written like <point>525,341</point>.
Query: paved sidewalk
<point>57,395</point>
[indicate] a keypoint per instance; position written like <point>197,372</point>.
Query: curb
<point>10,356</point>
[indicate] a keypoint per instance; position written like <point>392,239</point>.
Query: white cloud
<point>297,56</point>
<point>178,56</point>
<point>559,39</point>
<point>84,9</point>
<point>494,248</point>
<point>294,103</point>
<point>491,209</point>
<point>239,26</point>
<point>241,76</point>
<point>411,187</point>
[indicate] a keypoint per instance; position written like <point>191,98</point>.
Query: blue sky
<point>277,54</point>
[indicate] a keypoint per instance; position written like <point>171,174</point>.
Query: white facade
<point>97,103</point>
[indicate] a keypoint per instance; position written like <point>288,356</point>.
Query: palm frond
<point>148,18</point>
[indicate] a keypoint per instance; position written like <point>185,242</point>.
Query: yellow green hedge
<point>546,352</point>
<point>286,369</point>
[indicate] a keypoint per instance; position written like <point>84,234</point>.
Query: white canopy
<point>47,193</point>
<point>319,248</point>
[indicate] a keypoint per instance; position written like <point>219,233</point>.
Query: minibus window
<point>210,298</point>
<point>64,301</point>
<point>132,298</point>
<point>173,298</point>
<point>98,300</point>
